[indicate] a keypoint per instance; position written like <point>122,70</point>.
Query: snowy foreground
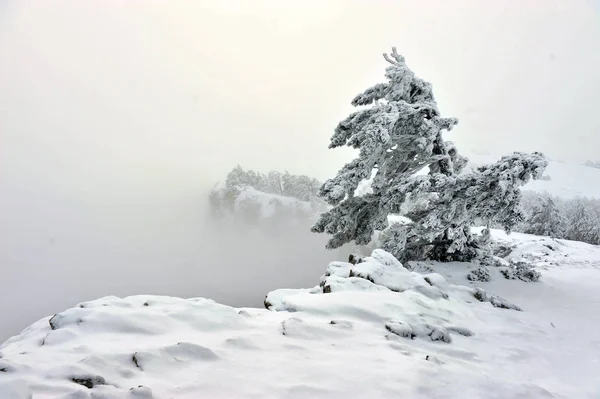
<point>378,331</point>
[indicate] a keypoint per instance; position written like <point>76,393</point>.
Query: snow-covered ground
<point>380,331</point>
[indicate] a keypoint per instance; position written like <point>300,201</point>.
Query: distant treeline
<point>255,197</point>
<point>576,219</point>
<point>301,187</point>
<point>593,164</point>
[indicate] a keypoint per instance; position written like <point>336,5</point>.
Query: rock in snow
<point>373,330</point>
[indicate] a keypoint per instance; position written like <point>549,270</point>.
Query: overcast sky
<point>116,116</point>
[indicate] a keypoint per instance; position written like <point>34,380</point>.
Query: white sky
<point>206,84</point>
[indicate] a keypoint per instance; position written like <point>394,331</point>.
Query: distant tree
<point>300,186</point>
<point>576,219</point>
<point>583,222</point>
<point>238,177</point>
<point>593,164</point>
<point>297,186</point>
<point>275,184</point>
<point>546,219</point>
<point>398,132</point>
<point>256,198</point>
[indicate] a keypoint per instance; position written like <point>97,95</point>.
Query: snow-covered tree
<point>275,183</point>
<point>398,133</point>
<point>301,187</point>
<point>288,185</point>
<point>546,219</point>
<point>583,222</point>
<point>575,219</point>
<point>593,164</point>
<point>256,198</point>
<point>450,205</point>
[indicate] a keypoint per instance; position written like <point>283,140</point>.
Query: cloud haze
<point>116,117</point>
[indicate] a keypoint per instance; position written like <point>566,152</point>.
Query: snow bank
<point>373,330</point>
<point>545,252</point>
<point>380,289</point>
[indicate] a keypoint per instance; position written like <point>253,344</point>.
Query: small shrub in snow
<point>521,271</point>
<point>89,381</point>
<point>400,328</point>
<point>461,330</point>
<point>436,280</point>
<point>354,259</point>
<point>440,334</point>
<point>495,300</point>
<point>508,273</point>
<point>420,266</point>
<point>267,304</point>
<point>502,303</point>
<point>500,249</point>
<point>493,261</point>
<point>480,295</point>
<point>405,330</point>
<point>480,274</point>
<point>526,273</point>
<point>435,333</point>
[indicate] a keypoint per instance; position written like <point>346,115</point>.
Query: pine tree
<point>584,224</point>
<point>450,205</point>
<point>546,219</point>
<point>275,185</point>
<point>399,133</point>
<point>237,177</point>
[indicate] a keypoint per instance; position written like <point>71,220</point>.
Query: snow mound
<point>547,253</point>
<point>100,346</point>
<point>379,290</point>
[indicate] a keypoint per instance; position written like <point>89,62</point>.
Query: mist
<point>117,118</point>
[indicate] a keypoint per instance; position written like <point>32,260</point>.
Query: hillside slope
<point>381,331</point>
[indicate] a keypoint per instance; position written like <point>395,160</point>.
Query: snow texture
<point>400,335</point>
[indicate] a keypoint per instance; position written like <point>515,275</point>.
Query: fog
<point>117,117</point>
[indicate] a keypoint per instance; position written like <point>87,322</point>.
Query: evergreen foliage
<point>398,133</point>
